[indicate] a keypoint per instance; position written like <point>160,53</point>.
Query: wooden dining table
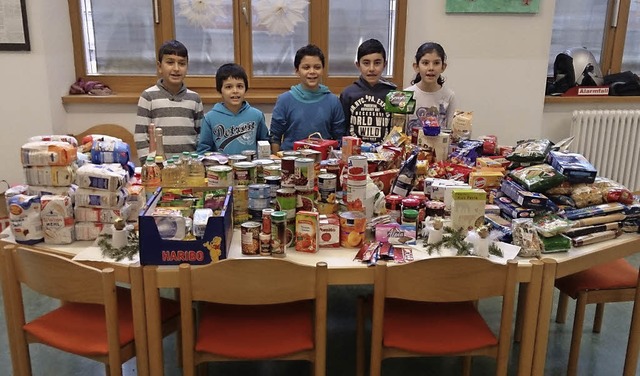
<point>343,269</point>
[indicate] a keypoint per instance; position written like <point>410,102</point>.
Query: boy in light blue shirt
<point>308,107</point>
<point>232,125</point>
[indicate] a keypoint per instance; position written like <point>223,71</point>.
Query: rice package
<point>530,151</point>
<point>111,151</point>
<point>47,153</point>
<point>58,223</point>
<point>24,216</point>
<point>108,177</point>
<point>537,178</point>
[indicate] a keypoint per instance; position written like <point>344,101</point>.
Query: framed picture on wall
<point>14,30</point>
<point>492,6</point>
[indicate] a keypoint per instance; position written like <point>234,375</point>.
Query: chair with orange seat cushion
<point>254,310</point>
<point>614,281</point>
<point>426,308</point>
<point>97,320</point>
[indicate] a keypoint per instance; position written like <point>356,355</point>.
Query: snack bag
<point>537,178</point>
<point>400,102</point>
<point>461,125</point>
<point>530,151</point>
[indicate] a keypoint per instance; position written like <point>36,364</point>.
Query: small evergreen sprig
<point>453,239</point>
<point>119,254</point>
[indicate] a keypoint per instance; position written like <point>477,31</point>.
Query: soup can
<point>333,167</point>
<point>357,165</point>
<point>305,199</point>
<point>352,228</point>
<point>356,194</point>
<point>286,201</point>
<point>240,197</point>
<point>304,175</point>
<point>244,173</point>
<point>259,191</point>
<point>291,153</point>
<point>287,170</point>
<point>235,158</point>
<point>274,184</point>
<point>327,187</point>
<point>250,154</point>
<point>250,238</point>
<point>219,176</point>
<point>271,170</point>
<point>260,165</point>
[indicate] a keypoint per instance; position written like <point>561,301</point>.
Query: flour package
<point>41,190</point>
<point>108,177</point>
<point>48,153</point>
<point>88,230</point>
<point>57,219</point>
<point>24,217</point>
<point>84,214</point>
<point>95,198</point>
<point>55,176</point>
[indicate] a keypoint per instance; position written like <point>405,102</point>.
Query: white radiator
<point>610,140</point>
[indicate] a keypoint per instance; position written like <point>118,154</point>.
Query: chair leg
<point>576,337</point>
<point>361,314</point>
<point>561,313</point>
<point>597,319</point>
<point>466,366</point>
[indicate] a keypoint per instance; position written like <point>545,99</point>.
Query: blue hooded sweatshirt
<point>300,112</point>
<point>230,133</point>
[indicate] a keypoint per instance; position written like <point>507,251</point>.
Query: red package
<point>316,143</point>
<point>384,179</point>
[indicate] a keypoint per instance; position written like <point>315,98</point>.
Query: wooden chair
<point>113,130</point>
<point>633,345</point>
<point>254,310</point>
<point>107,322</point>
<point>614,281</point>
<point>429,308</point>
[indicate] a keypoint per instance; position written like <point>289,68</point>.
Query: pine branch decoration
<point>119,254</point>
<point>455,240</point>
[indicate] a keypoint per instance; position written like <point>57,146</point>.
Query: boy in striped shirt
<point>170,105</point>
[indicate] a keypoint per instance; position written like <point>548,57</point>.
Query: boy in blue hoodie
<point>363,100</point>
<point>232,125</point>
<point>308,107</point>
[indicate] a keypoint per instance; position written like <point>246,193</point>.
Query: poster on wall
<point>492,6</point>
<point>14,32</point>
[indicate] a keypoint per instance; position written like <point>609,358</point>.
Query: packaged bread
<point>54,176</point>
<point>48,153</point>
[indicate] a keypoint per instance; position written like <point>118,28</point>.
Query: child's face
<point>430,68</point>
<point>232,92</point>
<point>371,67</point>
<point>172,69</point>
<point>310,72</point>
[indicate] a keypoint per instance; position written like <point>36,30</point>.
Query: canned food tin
<point>304,175</point>
<point>244,173</point>
<point>286,201</point>
<point>327,187</point>
<point>259,203</point>
<point>240,197</point>
<point>266,220</point>
<point>357,165</point>
<point>235,158</point>
<point>259,191</point>
<point>274,183</point>
<point>333,167</point>
<point>260,165</point>
<point>219,176</point>
<point>278,233</point>
<point>250,238</point>
<point>271,170</point>
<point>250,154</point>
<point>265,244</point>
<point>305,200</point>
<point>287,170</point>
<point>291,153</point>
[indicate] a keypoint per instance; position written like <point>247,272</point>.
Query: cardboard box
<point>467,208</point>
<point>510,209</point>
<point>524,198</point>
<point>574,166</point>
<point>323,146</point>
<point>213,246</point>
<point>384,179</point>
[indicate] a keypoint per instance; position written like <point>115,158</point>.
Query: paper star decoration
<point>202,13</point>
<point>280,16</point>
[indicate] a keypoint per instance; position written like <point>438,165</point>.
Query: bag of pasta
<point>526,237</point>
<point>537,178</point>
<point>533,151</point>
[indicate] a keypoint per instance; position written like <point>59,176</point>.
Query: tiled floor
<point>602,354</point>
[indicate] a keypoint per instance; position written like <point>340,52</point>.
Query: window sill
<point>592,99</point>
<point>262,97</point>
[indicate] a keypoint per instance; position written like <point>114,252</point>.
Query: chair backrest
<point>447,279</point>
<point>113,130</point>
<point>60,278</point>
<point>253,282</point>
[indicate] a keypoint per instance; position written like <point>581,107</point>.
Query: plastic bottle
<point>159,142</point>
<point>196,172</point>
<point>151,134</point>
<point>178,163</point>
<point>150,173</point>
<point>170,175</point>
<point>159,161</point>
<point>186,160</point>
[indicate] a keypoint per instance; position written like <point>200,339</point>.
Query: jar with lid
<point>278,233</point>
<point>393,204</point>
<point>410,217</point>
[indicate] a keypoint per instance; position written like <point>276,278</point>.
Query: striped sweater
<point>178,115</point>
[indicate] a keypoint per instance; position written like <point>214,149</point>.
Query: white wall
<point>497,67</point>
